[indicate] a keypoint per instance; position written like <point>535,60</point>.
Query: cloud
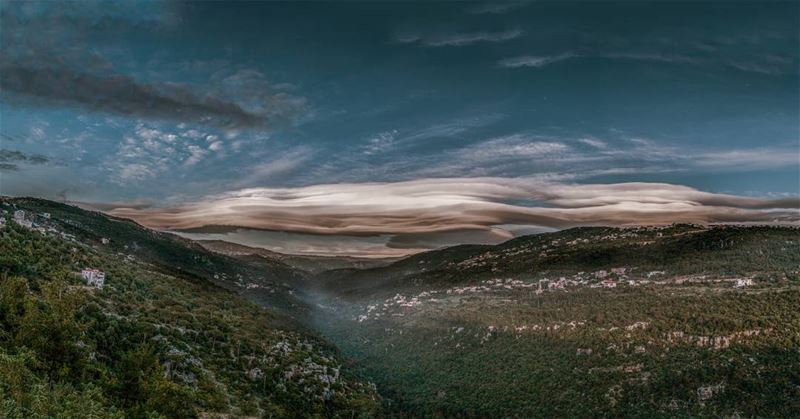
<point>450,129</point>
<point>56,56</point>
<point>761,64</point>
<point>593,142</point>
<point>7,155</point>
<point>380,143</point>
<point>149,151</point>
<point>140,203</point>
<point>280,164</point>
<point>119,94</point>
<point>757,158</point>
<point>215,146</point>
<point>542,61</point>
<point>497,8</point>
<point>460,39</point>
<point>458,204</point>
<point>653,57</point>
<point>10,160</point>
<point>534,61</point>
<point>513,147</point>
<point>49,61</point>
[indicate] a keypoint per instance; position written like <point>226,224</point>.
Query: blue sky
<point>147,106</point>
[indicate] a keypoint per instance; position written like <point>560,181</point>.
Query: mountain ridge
<point>313,264</point>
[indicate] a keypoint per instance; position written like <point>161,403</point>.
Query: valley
<point>680,320</point>
<point>674,321</point>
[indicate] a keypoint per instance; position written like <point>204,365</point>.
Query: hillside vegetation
<point>641,322</point>
<point>675,321</point>
<point>165,337</point>
<point>307,263</point>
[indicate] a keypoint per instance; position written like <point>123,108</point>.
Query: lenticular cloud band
<point>435,205</point>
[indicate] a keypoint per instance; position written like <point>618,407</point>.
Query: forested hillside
<point>682,320</point>
<point>162,338</point>
<point>672,321</point>
<point>307,263</point>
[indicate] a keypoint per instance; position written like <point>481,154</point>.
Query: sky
<point>388,128</point>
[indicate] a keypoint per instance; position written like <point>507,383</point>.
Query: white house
<point>743,282</point>
<point>94,277</point>
<point>46,215</point>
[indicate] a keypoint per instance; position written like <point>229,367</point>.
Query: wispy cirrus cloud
<point>754,158</point>
<point>460,39</point>
<point>542,61</point>
<point>497,8</point>
<point>593,142</point>
<point>380,142</point>
<point>450,129</point>
<point>279,164</point>
<point>762,64</point>
<point>513,147</point>
<point>535,61</point>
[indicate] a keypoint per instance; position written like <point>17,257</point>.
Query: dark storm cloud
<point>52,57</point>
<point>122,95</point>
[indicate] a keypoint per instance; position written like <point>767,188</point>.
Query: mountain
<point>677,249</point>
<point>171,333</point>
<point>307,263</point>
<point>674,321</point>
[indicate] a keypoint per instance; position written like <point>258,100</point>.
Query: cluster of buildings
<point>19,218</point>
<point>22,219</point>
<point>94,277</point>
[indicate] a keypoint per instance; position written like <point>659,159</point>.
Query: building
<point>94,277</point>
<point>619,271</point>
<point>743,282</point>
<point>104,240</point>
<point>46,215</point>
<point>600,274</point>
<point>19,218</point>
<point>606,283</point>
<point>2,222</point>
